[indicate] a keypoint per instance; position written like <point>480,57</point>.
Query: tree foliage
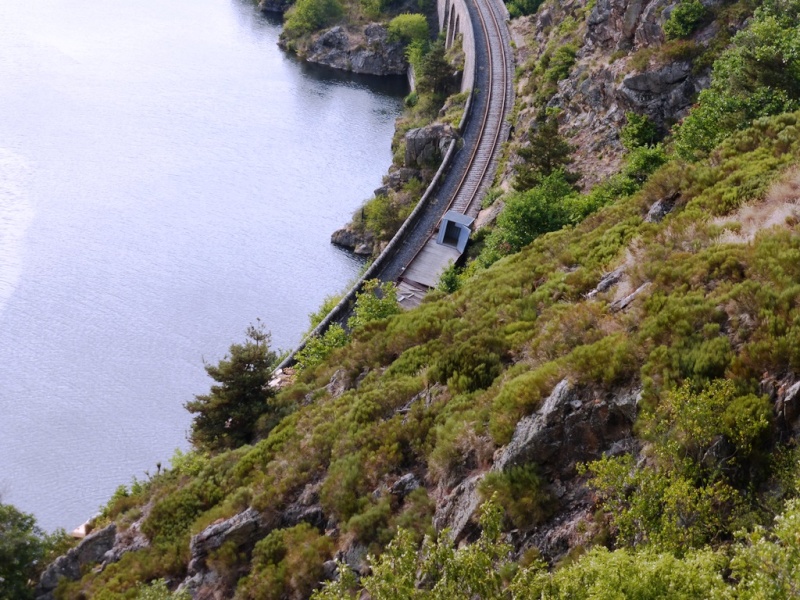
<point>433,72</point>
<point>375,301</point>
<point>226,417</point>
<point>409,28</point>
<point>545,152</point>
<point>638,131</point>
<point>684,19</point>
<point>529,214</point>
<point>758,75</point>
<point>23,547</point>
<point>307,16</point>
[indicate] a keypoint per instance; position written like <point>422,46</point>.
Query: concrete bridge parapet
<point>455,21</point>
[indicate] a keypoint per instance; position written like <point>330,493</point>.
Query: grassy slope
<point>440,388</point>
<point>529,310</point>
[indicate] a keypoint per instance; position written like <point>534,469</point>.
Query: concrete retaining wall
<point>454,20</point>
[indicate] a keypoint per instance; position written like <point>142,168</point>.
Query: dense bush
<point>520,491</point>
<point>23,547</point>
<point>306,16</point>
<point>758,75</point>
<point>545,152</point>
<point>409,28</point>
<point>638,131</point>
<point>374,302</point>
<point>226,417</point>
<point>286,564</point>
<point>318,348</point>
<point>520,8</point>
<point>433,72</point>
<point>684,19</point>
<point>527,215</point>
<point>469,366</point>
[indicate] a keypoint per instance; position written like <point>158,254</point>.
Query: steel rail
<point>494,84</point>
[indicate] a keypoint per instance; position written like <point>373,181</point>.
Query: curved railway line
<point>464,177</point>
<point>469,186</point>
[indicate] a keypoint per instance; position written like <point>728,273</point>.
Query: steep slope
<point>627,381</point>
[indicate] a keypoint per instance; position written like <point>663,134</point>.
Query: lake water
<point>167,176</point>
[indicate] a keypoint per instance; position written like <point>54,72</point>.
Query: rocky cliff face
<point>366,50</point>
<point>622,63</point>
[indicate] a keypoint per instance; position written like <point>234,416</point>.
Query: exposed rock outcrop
<point>608,281</point>
<point>91,550</point>
<point>456,510</point>
<point>367,51</point>
<point>661,208</point>
<point>618,69</point>
<point>357,241</point>
<point>426,146</point>
<point>242,530</point>
<point>573,425</point>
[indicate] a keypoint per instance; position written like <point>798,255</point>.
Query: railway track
<point>470,173</point>
<point>478,176</point>
<point>494,75</point>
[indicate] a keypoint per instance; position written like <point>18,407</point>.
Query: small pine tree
<point>226,417</point>
<point>434,73</point>
<point>546,152</point>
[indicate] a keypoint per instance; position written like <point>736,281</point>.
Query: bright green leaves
<point>685,497</point>
<point>307,16</point>
<point>684,19</point>
<point>759,75</point>
<point>409,28</point>
<point>374,302</point>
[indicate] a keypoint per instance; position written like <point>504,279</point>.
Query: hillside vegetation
<point>603,402</point>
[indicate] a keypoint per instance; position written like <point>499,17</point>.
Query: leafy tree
<point>546,152</point>
<point>409,28</point>
<point>472,571</point>
<point>226,417</point>
<point>376,301</point>
<point>22,548</point>
<point>758,76</point>
<point>307,16</point>
<point>767,563</point>
<point>529,214</point>
<point>638,131</point>
<point>684,19</point>
<point>520,8</point>
<point>158,590</point>
<point>317,349</point>
<point>433,71</point>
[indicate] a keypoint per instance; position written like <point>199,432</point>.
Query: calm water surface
<point>167,176</point>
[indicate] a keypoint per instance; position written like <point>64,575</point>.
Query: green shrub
<point>519,490</point>
<point>758,75</point>
<point>527,215</point>
<point>662,507</point>
<point>638,131</point>
<point>23,547</point>
<point>684,19</point>
<point>307,16</point>
<point>545,153</point>
<point>318,348</point>
<point>520,8</point>
<point>374,302</point>
<point>409,28</point>
<point>158,590</point>
<point>561,63</point>
<point>470,366</point>
<point>286,564</point>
